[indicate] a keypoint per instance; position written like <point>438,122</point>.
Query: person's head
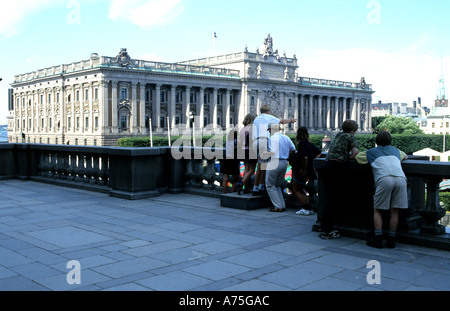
<point>265,109</point>
<point>383,139</point>
<point>249,119</point>
<point>349,126</point>
<point>273,128</point>
<point>302,134</point>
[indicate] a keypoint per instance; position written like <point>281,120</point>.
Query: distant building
<point>99,100</point>
<point>438,121</point>
<point>412,110</point>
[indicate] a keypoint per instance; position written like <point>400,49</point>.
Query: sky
<point>401,47</point>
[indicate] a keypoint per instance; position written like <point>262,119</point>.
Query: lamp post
<point>191,118</point>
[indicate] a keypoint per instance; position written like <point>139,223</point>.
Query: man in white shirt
<point>260,137</point>
<point>280,146</point>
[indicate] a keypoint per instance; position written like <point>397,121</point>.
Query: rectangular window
<point>96,122</point>
<point>49,99</point>
<point>69,122</point>
<point>57,97</point>
<point>77,96</point>
<point>77,122</point>
<point>86,95</point>
<point>123,94</point>
<point>49,123</point>
<point>96,94</point>
<point>86,123</point>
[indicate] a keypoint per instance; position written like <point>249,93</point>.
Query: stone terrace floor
<point>187,243</point>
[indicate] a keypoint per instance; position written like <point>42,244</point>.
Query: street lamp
<point>191,118</point>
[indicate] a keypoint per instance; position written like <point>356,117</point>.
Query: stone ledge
<point>244,201</point>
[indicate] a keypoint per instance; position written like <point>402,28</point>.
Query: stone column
<point>214,109</point>
<point>227,108</point>
<point>328,113</point>
<point>296,111</point>
<point>73,125</point>
<point>302,110</point>
<point>201,110</point>
<point>172,110</point>
<point>353,108</point>
<point>114,113</point>
<point>104,106</point>
<point>91,107</point>
<point>336,114</point>
<point>367,121</point>
<point>157,109</point>
<point>187,106</point>
<point>320,118</point>
<point>344,109</point>
<point>311,116</point>
<point>142,128</point>
<point>285,112</point>
<point>241,106</point>
<point>369,112</point>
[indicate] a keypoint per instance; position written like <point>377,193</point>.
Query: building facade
<point>99,100</point>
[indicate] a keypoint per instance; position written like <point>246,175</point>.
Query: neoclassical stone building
<point>99,100</point>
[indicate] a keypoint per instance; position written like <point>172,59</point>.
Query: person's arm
<point>286,121</point>
<point>361,158</point>
<point>403,156</point>
<point>354,153</point>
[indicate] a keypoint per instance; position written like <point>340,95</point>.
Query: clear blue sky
<point>396,45</point>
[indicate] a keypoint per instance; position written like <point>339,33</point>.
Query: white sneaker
<point>304,212</point>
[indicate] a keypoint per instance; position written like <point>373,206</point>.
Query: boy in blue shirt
<point>390,186</point>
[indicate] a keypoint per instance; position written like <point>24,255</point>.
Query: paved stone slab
<point>188,243</point>
<point>68,236</point>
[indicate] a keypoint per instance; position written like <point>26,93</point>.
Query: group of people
<point>268,151</point>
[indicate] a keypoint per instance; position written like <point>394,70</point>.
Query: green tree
<point>399,125</point>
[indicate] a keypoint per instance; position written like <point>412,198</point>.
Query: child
<point>302,169</point>
<point>390,186</point>
<point>342,148</point>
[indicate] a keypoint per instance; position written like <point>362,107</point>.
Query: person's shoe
<point>375,241</point>
<point>332,235</point>
<point>390,242</point>
<point>303,212</point>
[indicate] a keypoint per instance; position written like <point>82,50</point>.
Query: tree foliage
<point>399,125</point>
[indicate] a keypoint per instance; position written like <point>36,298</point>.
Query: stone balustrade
<point>109,62</point>
<point>139,173</point>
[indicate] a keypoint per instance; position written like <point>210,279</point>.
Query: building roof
<point>440,112</point>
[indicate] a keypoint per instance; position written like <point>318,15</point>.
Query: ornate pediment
<point>123,59</point>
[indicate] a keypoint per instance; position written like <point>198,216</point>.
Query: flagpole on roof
<point>214,43</point>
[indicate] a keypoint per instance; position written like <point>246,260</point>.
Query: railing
<point>109,62</point>
<point>138,173</point>
<point>333,83</point>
